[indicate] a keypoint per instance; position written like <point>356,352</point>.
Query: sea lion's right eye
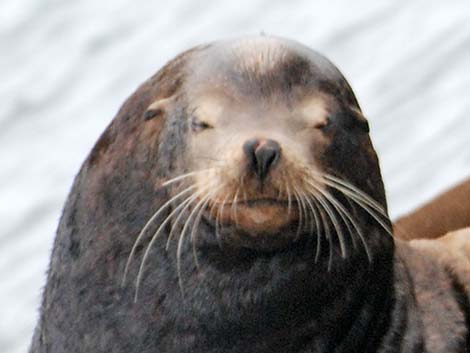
<point>323,123</point>
<point>199,125</point>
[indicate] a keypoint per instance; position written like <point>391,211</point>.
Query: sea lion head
<point>267,140</point>
<point>269,128</point>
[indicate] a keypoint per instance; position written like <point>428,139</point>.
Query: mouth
<point>256,216</point>
<point>262,202</point>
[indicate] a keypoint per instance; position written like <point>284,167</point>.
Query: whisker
<point>336,225</point>
<point>233,208</point>
<point>198,220</point>
<point>219,212</point>
<point>308,219</point>
<point>326,227</point>
<point>344,214</point>
<point>373,214</point>
<point>184,204</point>
<point>177,219</point>
<point>289,199</point>
<point>317,226</point>
<point>183,176</point>
<point>360,198</point>
<point>310,215</point>
<point>324,200</point>
<point>147,225</point>
<point>221,162</point>
<point>351,188</point>
<point>360,202</point>
<point>304,209</point>
<point>181,240</point>
<point>300,224</point>
<point>356,227</point>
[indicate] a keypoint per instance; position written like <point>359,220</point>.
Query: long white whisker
<point>181,239</point>
<point>344,214</point>
<point>147,225</point>
<point>317,227</point>
<point>326,227</point>
<point>219,212</point>
<point>372,213</point>
<point>197,220</point>
<point>322,198</point>
<point>183,176</point>
<point>360,198</point>
<point>300,224</point>
<point>359,201</point>
<point>289,199</point>
<point>335,223</point>
<point>353,189</point>
<point>355,225</point>
<point>233,209</point>
<point>304,210</point>
<point>184,204</point>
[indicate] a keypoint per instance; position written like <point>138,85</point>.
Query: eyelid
<point>323,123</point>
<point>199,124</point>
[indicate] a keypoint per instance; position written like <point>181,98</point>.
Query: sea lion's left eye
<point>199,125</point>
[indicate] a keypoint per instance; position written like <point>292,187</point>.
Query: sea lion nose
<point>262,155</point>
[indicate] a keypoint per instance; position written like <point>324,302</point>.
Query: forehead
<point>218,107</point>
<point>261,68</point>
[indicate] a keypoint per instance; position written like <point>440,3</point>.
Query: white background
<point>66,66</point>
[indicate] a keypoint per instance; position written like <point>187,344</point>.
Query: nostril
<point>262,155</point>
<point>249,148</point>
<point>264,159</point>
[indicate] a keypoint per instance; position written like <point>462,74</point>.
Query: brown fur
<point>445,213</point>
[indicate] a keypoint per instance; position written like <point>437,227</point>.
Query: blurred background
<point>66,66</point>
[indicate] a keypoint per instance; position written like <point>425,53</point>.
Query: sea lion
<point>235,204</point>
<point>445,213</point>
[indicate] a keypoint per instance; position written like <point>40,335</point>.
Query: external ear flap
<point>157,108</point>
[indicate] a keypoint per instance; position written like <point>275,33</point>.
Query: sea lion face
<point>270,124</point>
<point>257,157</point>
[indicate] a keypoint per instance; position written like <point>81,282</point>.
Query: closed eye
<point>322,124</point>
<point>199,125</point>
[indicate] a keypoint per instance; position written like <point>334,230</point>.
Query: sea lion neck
<point>300,299</point>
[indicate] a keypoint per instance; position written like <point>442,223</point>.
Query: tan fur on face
<point>315,110</point>
<point>233,191</point>
<point>209,109</point>
<point>238,198</point>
